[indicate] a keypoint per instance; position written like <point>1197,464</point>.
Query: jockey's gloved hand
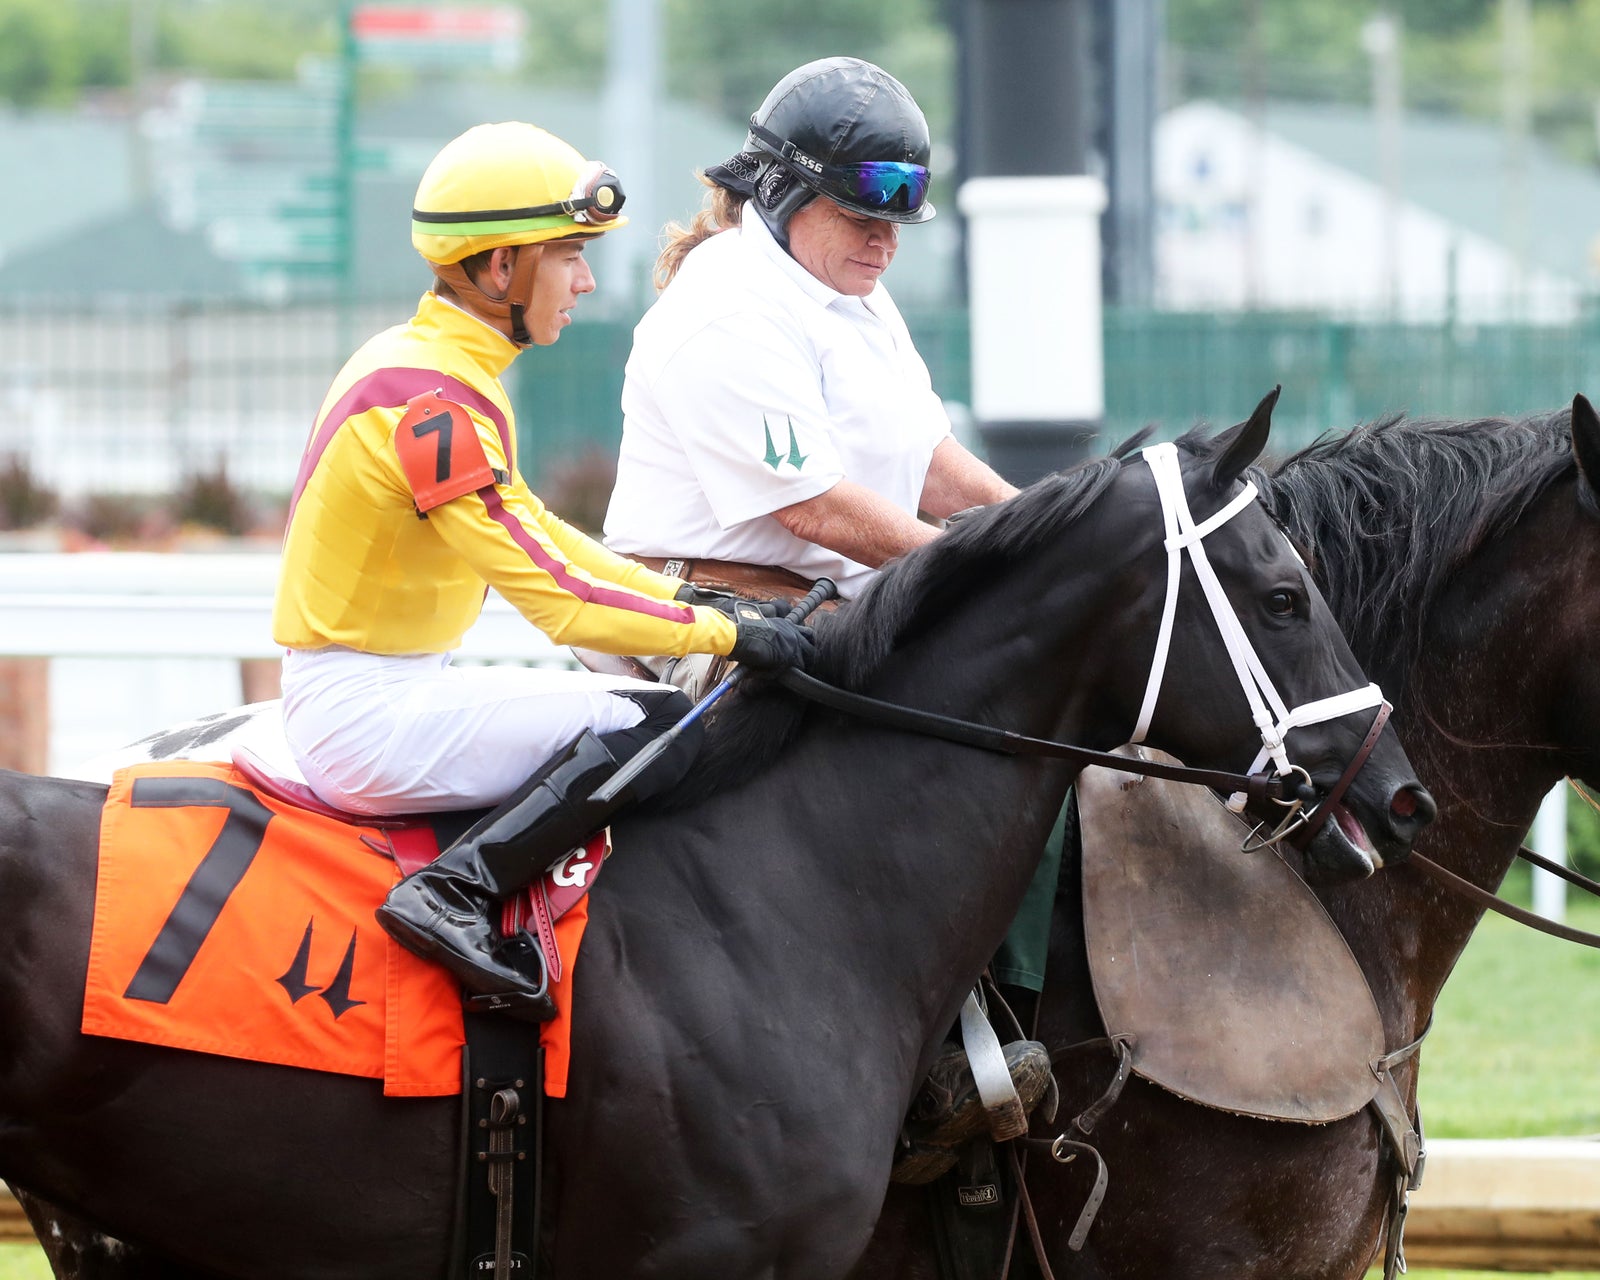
<point>705,597</point>
<point>770,643</point>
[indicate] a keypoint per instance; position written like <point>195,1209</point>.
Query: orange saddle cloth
<point>228,921</point>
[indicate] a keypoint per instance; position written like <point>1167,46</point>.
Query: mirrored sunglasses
<point>887,185</point>
<point>877,184</point>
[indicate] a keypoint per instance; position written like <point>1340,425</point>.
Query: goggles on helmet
<point>872,185</point>
<point>597,199</point>
<point>597,196</point>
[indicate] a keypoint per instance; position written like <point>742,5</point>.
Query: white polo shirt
<point>751,386</point>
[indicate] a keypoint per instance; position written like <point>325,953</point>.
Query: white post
<point>1550,840</point>
<point>632,105</point>
<point>1380,37</point>
<point>1033,256</point>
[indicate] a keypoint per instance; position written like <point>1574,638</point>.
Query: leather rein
<point>1258,786</point>
<point>1457,884</point>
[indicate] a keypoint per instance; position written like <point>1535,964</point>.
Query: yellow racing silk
<point>394,529</point>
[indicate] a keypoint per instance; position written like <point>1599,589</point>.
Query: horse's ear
<point>1586,448</point>
<point>1242,445</point>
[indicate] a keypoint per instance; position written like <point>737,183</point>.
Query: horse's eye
<point>1281,604</point>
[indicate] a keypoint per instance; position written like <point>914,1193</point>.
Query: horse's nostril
<point>1412,804</point>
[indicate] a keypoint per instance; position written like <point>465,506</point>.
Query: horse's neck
<point>949,835</point>
<point>1406,931</point>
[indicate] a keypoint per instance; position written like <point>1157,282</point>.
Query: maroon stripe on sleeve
<point>391,388</point>
<point>560,571</point>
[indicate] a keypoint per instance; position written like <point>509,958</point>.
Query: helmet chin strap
<point>508,310</point>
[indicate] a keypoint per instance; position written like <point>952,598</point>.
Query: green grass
<point>1515,1047</point>
<point>22,1262</point>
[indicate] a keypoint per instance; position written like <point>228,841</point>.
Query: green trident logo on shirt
<point>773,458</point>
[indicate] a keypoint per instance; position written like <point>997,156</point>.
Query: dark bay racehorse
<point>1463,561</point>
<point>767,971</point>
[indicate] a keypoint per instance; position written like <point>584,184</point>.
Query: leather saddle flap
<point>1238,988</point>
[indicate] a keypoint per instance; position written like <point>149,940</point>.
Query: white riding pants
<point>414,734</point>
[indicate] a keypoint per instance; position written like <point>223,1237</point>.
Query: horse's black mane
<point>1391,510</point>
<point>749,727</point>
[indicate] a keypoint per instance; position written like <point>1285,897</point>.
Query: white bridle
<point>1272,718</point>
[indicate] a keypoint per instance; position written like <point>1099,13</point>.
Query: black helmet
<point>837,127</point>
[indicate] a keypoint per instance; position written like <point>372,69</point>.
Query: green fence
<point>1172,369</point>
<point>1176,369</point>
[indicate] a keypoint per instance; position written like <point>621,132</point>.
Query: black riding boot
<point>446,910</point>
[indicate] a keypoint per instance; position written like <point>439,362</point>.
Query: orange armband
<point>440,452</point>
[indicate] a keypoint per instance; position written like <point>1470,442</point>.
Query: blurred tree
<point>726,54</point>
<point>52,50</point>
<point>1445,17</point>
<point>240,39</point>
<point>1453,61</point>
<point>39,62</point>
<point>1296,50</point>
<point>566,42</point>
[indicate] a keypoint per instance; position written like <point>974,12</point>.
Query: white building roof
<point>1289,210</point>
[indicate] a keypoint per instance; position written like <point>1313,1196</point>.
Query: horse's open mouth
<point>1355,835</point>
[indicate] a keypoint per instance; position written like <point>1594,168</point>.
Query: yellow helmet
<point>509,184</point>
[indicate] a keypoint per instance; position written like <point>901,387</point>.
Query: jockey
<point>408,504</point>
<point>775,409</point>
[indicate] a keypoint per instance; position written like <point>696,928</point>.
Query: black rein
<point>1450,880</point>
<point>1258,786</point>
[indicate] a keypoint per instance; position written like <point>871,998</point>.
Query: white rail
<point>1521,1204</point>
<point>138,641</point>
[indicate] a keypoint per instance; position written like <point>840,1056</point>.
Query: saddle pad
<point>1239,990</point>
<point>228,921</point>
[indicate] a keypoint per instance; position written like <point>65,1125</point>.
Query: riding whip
<point>823,590</point>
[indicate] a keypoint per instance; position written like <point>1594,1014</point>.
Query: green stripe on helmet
<point>492,228</point>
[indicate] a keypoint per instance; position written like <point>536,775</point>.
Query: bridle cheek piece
<point>1273,719</point>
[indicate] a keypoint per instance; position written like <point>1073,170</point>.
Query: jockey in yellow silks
<point>408,506</point>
